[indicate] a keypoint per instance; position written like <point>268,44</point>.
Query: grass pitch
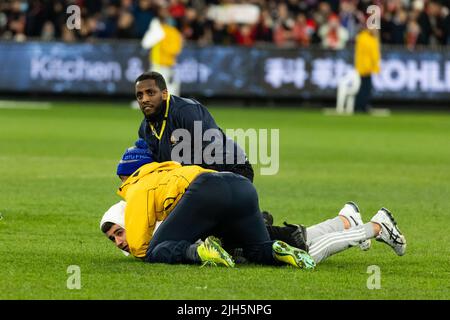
<point>57,173</point>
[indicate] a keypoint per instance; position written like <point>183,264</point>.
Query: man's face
<point>149,96</point>
<point>117,235</point>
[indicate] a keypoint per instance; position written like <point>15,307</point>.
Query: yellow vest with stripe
<point>151,193</point>
<point>165,52</point>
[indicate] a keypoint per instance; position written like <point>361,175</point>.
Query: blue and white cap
<point>134,158</point>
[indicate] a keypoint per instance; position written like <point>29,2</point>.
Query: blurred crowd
<point>286,23</point>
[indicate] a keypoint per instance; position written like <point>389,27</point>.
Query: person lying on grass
<point>193,203</point>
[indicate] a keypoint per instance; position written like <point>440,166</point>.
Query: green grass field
<point>57,173</point>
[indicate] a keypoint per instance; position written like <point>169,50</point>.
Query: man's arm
<point>232,156</point>
<point>189,113</point>
<point>197,120</point>
<point>139,228</point>
<point>154,34</point>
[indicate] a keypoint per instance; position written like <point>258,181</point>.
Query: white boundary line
<point>24,105</point>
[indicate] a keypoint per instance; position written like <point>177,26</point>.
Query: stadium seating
<point>283,23</point>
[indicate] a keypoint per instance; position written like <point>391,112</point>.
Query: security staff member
<point>164,113</point>
<point>367,62</point>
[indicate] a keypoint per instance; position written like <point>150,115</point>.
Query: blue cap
<point>134,158</point>
<point>141,144</point>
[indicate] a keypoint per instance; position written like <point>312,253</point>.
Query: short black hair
<point>153,75</point>
<point>106,226</point>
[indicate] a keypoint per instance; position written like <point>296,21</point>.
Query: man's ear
<point>123,178</point>
<point>165,94</point>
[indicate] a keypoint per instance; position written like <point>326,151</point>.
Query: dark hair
<point>106,226</point>
<point>153,75</point>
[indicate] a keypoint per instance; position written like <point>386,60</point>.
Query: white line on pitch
<point>23,105</point>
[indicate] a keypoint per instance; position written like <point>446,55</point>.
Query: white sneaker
<point>389,234</point>
<point>351,212</point>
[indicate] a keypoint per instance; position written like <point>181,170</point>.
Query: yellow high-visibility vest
<point>151,193</point>
<point>367,54</point>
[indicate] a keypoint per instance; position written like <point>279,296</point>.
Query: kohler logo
<point>49,68</point>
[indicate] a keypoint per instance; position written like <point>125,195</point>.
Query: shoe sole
<point>293,256</point>
<point>224,259</point>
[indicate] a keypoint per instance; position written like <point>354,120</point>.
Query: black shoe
<point>296,235</point>
<point>268,218</point>
<point>238,256</point>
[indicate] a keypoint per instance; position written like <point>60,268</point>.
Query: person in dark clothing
<point>164,114</point>
<point>431,25</point>
<point>446,26</point>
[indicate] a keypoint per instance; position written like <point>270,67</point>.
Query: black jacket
<point>223,154</point>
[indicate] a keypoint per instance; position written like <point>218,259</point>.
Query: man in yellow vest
<point>367,62</point>
<point>165,43</point>
<point>192,203</point>
<point>170,207</point>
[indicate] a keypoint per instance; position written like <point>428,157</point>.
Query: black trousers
<point>222,204</point>
<point>243,169</point>
<point>364,95</point>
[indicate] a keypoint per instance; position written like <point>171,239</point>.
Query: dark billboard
<point>110,68</point>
